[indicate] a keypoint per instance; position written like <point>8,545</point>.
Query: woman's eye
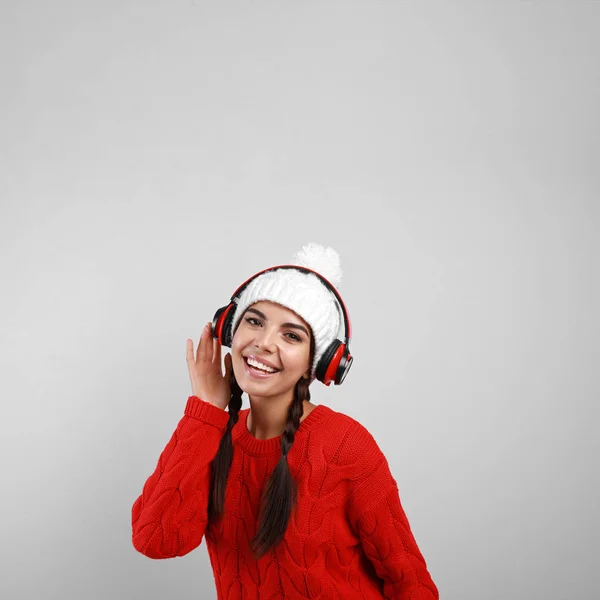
<point>254,321</point>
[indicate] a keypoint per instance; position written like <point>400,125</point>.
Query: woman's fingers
<point>206,374</point>
<point>217,352</point>
<point>203,346</point>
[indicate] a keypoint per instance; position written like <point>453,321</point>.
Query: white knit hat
<point>304,293</point>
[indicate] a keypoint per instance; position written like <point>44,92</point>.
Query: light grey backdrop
<point>156,154</point>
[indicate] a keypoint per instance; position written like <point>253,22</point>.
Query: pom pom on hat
<point>304,293</point>
<point>322,259</point>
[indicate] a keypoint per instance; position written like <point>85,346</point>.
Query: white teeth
<point>258,365</point>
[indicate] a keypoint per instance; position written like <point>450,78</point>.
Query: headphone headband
<point>327,284</point>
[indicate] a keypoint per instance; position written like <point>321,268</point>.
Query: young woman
<point>295,500</point>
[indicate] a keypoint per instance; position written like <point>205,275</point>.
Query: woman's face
<point>283,340</point>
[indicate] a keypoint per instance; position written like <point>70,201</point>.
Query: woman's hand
<point>206,377</point>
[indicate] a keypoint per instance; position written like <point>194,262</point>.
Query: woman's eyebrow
<point>263,316</point>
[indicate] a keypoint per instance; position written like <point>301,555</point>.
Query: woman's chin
<point>257,387</point>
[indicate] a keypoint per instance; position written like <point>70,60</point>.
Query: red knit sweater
<point>347,538</point>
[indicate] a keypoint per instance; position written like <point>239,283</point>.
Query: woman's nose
<point>266,338</point>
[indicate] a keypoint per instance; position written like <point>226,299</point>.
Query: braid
<point>222,461</point>
<point>280,495</point>
<point>292,423</point>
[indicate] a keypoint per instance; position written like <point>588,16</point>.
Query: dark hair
<point>279,497</point>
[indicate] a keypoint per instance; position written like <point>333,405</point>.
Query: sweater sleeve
<point>170,516</point>
<point>383,528</point>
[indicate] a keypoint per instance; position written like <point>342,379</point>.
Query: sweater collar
<point>253,445</point>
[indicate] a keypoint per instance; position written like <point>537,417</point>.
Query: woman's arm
<point>388,542</point>
<point>383,528</point>
<point>170,516</point>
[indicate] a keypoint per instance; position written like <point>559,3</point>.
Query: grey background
<point>156,154</point>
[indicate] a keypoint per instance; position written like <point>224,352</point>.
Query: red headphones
<point>336,361</point>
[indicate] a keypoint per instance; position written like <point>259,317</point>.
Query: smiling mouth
<point>259,371</point>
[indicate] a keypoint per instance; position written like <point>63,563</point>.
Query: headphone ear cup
<point>221,327</point>
<point>227,334</point>
<point>344,366</point>
<point>324,367</point>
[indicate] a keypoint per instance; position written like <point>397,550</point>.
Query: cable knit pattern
<point>348,537</point>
